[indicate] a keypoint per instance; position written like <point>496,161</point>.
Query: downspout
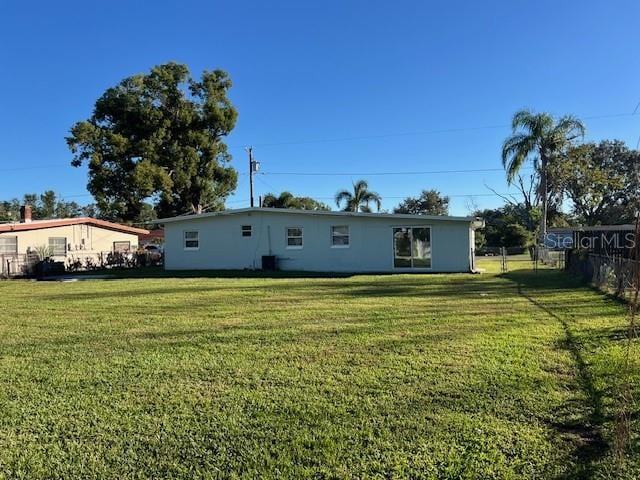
<point>478,223</point>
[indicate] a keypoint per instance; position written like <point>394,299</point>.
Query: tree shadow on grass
<point>590,445</point>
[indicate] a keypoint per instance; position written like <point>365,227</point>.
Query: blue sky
<point>345,87</point>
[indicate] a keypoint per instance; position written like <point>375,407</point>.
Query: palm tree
<point>540,137</point>
<point>359,199</point>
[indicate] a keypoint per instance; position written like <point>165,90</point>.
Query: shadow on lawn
<point>419,286</point>
<point>590,444</point>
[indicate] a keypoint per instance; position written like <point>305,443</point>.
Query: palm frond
<point>372,197</point>
<point>343,195</point>
<point>520,119</point>
<point>515,151</point>
<point>571,127</point>
<point>537,124</point>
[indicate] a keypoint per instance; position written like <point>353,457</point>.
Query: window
<point>191,240</point>
<point>246,230</point>
<point>58,246</point>
<point>412,247</point>
<point>340,236</point>
<point>121,247</point>
<point>8,245</point>
<point>294,237</point>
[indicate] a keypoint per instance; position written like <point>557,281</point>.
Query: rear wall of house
<point>222,246</point>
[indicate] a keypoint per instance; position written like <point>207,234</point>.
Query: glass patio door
<point>412,247</point>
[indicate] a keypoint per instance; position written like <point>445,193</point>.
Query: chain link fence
<point>613,274</point>
<point>505,259</point>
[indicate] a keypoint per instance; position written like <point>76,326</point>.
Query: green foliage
<point>393,376</point>
<point>289,200</point>
<point>46,205</point>
<point>504,227</point>
<point>9,210</point>
<point>44,252</point>
<point>514,234</point>
<point>157,138</point>
<point>540,139</point>
<point>430,202</point>
<point>359,199</point>
<point>601,180</point>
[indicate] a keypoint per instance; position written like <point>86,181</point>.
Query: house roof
<point>154,236</point>
<point>313,213</point>
<point>63,222</point>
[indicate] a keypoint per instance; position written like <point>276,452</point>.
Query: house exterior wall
<point>222,246</point>
<point>82,240</point>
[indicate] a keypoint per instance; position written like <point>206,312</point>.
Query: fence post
<point>503,252</point>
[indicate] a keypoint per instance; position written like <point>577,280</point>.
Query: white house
<point>319,241</point>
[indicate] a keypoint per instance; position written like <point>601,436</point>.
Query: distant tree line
<point>44,206</point>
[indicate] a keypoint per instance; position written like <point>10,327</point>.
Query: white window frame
<point>333,235</point>
<point>287,237</point>
<point>393,250</point>
<point>52,249</point>
<point>15,239</point>
<point>121,250</point>
<point>249,230</point>
<point>184,240</point>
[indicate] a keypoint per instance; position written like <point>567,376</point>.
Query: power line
<point>457,195</point>
<point>362,137</point>
<point>413,133</point>
<point>367,174</point>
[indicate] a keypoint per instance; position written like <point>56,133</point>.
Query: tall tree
<point>542,139</point>
<point>47,205</point>
<point>158,137</point>
<point>601,180</point>
<point>430,202</point>
<point>289,200</point>
<point>358,199</point>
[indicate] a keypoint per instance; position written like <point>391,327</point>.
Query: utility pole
<point>253,168</point>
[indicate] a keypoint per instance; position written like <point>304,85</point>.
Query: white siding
<point>222,246</point>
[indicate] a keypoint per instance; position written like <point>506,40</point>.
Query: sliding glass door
<point>412,247</point>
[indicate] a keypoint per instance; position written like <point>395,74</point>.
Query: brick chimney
<point>25,214</point>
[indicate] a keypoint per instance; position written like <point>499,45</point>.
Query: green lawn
<point>396,376</point>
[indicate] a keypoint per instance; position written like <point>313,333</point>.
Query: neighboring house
<point>67,238</point>
<point>154,237</point>
<point>319,241</point>
<point>599,239</point>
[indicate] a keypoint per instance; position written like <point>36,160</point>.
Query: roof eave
<point>239,211</point>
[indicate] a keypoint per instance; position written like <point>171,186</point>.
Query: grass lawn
<point>396,376</point>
